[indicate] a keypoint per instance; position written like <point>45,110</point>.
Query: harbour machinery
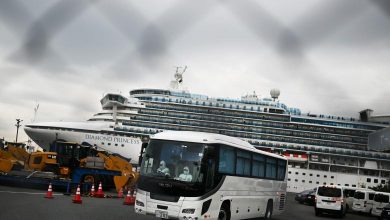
<point>128,177</point>
<point>73,155</point>
<point>15,157</point>
<point>69,161</point>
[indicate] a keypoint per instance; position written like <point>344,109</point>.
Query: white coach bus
<point>194,175</point>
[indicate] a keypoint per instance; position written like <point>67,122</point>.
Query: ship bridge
<point>111,99</point>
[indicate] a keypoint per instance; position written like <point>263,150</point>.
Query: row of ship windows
<point>256,115</point>
<point>230,106</point>
<point>220,112</point>
<point>354,152</point>
<point>269,144</point>
<point>293,111</point>
<point>249,135</point>
<point>353,185</point>
<point>337,124</point>
<point>332,177</point>
<point>109,144</point>
<point>310,174</point>
<point>261,145</point>
<point>255,122</point>
<point>253,129</point>
<point>317,182</point>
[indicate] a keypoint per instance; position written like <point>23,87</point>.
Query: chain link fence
<point>154,37</point>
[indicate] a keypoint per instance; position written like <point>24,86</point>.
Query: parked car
<point>381,199</point>
<point>311,197</point>
<point>306,196</point>
<point>349,193</point>
<point>363,200</point>
<point>385,215</point>
<point>330,200</point>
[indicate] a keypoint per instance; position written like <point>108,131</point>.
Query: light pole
<point>18,121</point>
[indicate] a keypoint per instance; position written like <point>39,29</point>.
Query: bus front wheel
<point>224,212</point>
<point>268,212</point>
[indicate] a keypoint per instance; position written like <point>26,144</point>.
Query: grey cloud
<point>259,21</point>
<point>326,19</point>
<point>125,17</point>
<point>288,45</point>
<point>15,16</point>
<point>36,45</point>
<point>383,5</point>
<point>155,37</point>
<point>330,20</point>
<point>184,15</point>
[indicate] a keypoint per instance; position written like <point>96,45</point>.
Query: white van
<point>362,201</point>
<point>381,199</point>
<point>331,200</point>
<point>349,193</point>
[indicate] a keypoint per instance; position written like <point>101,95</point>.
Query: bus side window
<point>243,166</point>
<point>258,166</point>
<point>226,160</point>
<point>270,171</point>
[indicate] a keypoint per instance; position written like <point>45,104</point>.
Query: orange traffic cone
<point>77,197</point>
<point>92,193</point>
<point>100,193</point>
<point>120,193</point>
<point>128,199</point>
<point>49,194</point>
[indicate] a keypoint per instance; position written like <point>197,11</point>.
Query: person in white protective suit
<point>163,169</point>
<point>185,176</point>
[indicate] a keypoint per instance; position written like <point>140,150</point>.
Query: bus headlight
<point>139,203</point>
<point>188,211</point>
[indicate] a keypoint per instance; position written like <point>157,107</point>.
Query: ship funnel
<point>365,115</point>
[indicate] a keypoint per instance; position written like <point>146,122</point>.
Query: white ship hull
<point>128,147</point>
<point>300,179</point>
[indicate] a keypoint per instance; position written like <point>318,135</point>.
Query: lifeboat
<point>296,157</point>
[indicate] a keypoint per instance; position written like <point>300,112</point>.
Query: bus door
<point>209,166</point>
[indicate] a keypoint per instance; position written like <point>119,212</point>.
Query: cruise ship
<point>321,149</point>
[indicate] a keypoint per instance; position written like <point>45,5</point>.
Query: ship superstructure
<point>321,149</point>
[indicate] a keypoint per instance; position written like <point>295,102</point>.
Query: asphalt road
<point>21,203</point>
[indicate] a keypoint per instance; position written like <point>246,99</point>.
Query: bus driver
<point>163,169</point>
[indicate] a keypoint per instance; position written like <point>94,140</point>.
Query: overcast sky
<point>325,56</point>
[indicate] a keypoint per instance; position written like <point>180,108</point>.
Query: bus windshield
<point>174,160</point>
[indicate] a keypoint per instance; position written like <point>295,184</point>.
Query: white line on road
<point>29,193</point>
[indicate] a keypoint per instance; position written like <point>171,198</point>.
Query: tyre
<point>268,212</point>
<point>317,211</point>
<point>224,212</point>
<point>89,179</point>
<point>341,213</point>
